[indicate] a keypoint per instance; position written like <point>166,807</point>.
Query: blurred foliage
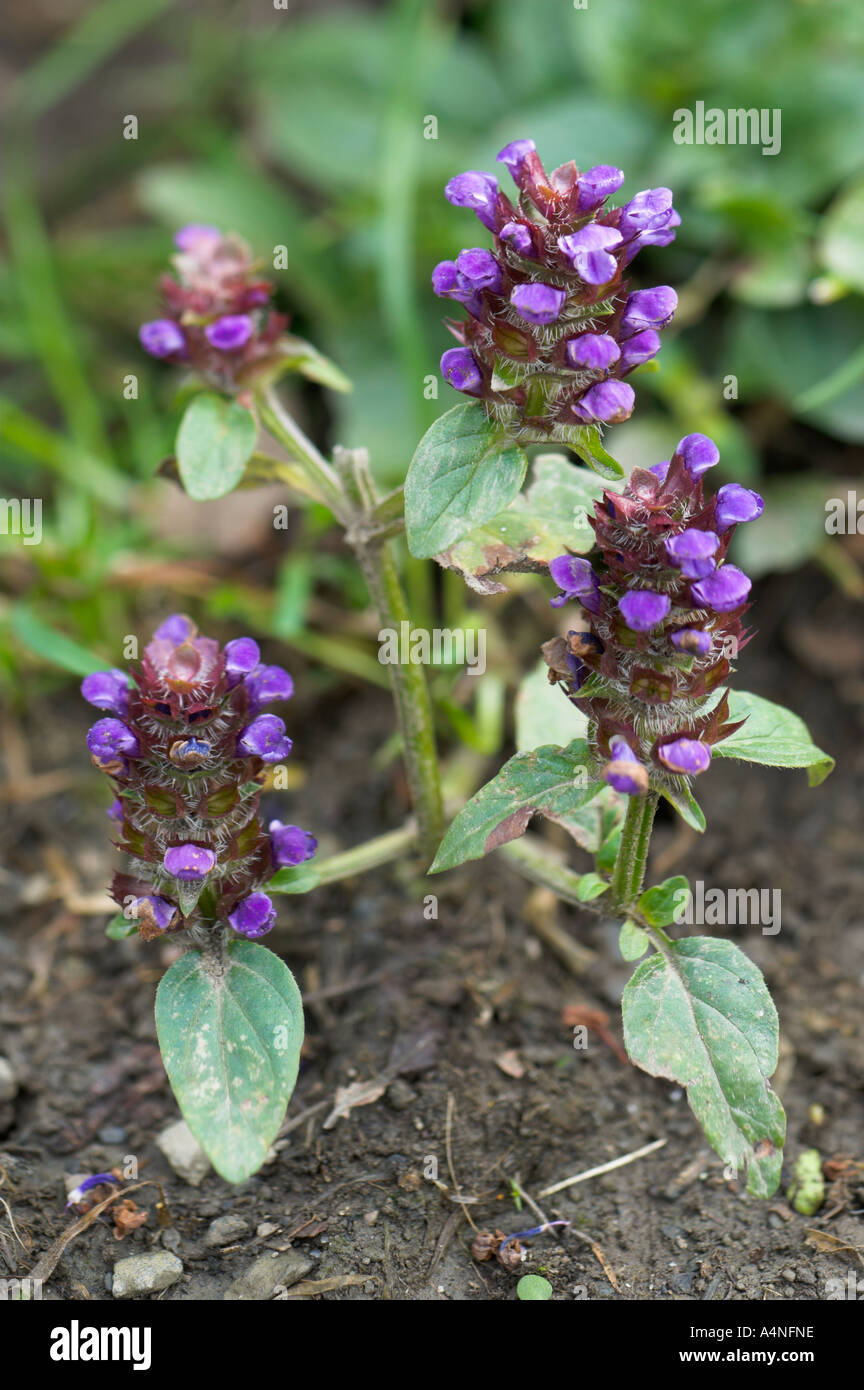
<point>307,129</point>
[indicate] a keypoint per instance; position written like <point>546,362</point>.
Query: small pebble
<point>225,1230</point>
<point>149,1273</point>
<point>8,1083</point>
<point>184,1153</point>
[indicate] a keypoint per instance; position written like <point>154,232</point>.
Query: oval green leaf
<point>462,474</point>
<point>215,440</point>
<point>666,903</point>
<point>699,1013</point>
<point>633,942</point>
<point>230,1041</point>
<point>772,736</point>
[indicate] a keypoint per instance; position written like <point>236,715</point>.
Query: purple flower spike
<point>643,609</point>
<point>517,235</point>
<point>241,656</point>
<point>724,590</point>
<point>691,551</point>
<point>175,629</point>
<point>597,184</point>
<point>625,772</point>
<point>161,338</point>
<point>230,332</point>
<point>699,454</point>
<point>265,739</point>
<point>189,863</point>
<point>537,303</point>
<point>691,639</point>
<point>460,368</point>
<point>588,252</point>
<point>685,755</point>
<point>109,738</point>
<point>480,269</point>
<point>514,154</point>
<point>576,577</point>
<point>608,401</point>
<point>156,912</point>
<point>290,844</point>
<point>648,309</point>
<point>253,916</point>
<point>477,191</point>
<point>107,690</point>
<point>736,504</point>
<point>268,683</point>
<point>594,351</point>
<point>640,348</point>
<point>197,238</point>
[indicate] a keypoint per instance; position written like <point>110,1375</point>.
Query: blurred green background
<point>304,127</point>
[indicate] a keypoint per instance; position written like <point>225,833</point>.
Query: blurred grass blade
<point>21,432</point>
<point>53,646</point>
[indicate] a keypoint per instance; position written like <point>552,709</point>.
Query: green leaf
<point>533,1288</point>
<point>120,927</point>
<point>230,1040</point>
<point>842,247</point>
<point>683,801</point>
<point>591,885</point>
<point>587,445</point>
<point>544,714</point>
<point>550,517</point>
<point>297,878</point>
<point>699,1014</point>
<point>462,474</point>
<point>296,355</point>
<point>53,646</point>
<point>633,942</point>
<point>665,903</point>
<point>772,736</point>
<point>215,439</point>
<point>538,783</point>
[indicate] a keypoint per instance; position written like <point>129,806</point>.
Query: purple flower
<point>241,656</point>
<point>640,348</point>
<point>515,153</point>
<point>97,1180</point>
<point>480,269</point>
<point>649,210</point>
<point>157,912</point>
<point>477,191</point>
<point>648,309</point>
<point>691,639</point>
<point>109,738</point>
<point>107,690</point>
<point>608,401</point>
<point>197,238</point>
<point>517,235</point>
<point>596,351</point>
<point>685,755</point>
<point>699,454</point>
<point>115,811</point>
<point>596,185</point>
<point>660,470</point>
<point>449,283</point>
<point>537,303</point>
<point>625,772</point>
<point>736,504</point>
<point>253,916</point>
<point>175,629</point>
<point>588,252</point>
<point>576,577</point>
<point>692,550</point>
<point>190,863</point>
<point>161,338</point>
<point>265,739</point>
<point>290,844</point>
<point>230,332</point>
<point>643,609</point>
<point>722,591</point>
<point>268,683</point>
<point>460,368</point>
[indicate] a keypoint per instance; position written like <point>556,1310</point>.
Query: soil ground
<point>459,1015</point>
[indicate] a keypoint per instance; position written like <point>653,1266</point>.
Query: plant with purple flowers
<point>187,752</point>
<point>657,617</point>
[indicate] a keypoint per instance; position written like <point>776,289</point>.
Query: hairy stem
<point>632,857</point>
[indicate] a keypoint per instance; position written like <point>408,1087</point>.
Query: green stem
<point>324,479</point>
<point>536,864</point>
<point>367,856</point>
<point>632,857</point>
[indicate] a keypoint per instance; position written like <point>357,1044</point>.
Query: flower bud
<point>460,368</point>
<point>266,684</point>
<point>109,737</point>
<point>477,191</point>
<point>537,303</point>
<point>229,333</point>
<point>588,252</point>
<point>723,591</point>
<point>595,351</point>
<point>692,551</point>
<point>608,401</point>
<point>265,739</point>
<point>625,772</point>
<point>685,755</point>
<point>189,862</point>
<point>162,338</point>
<point>643,609</point>
<point>253,916</point>
<point>241,657</point>
<point>290,845</point>
<point>734,505</point>
<point>578,581</point>
<point>107,690</point>
<point>699,454</point>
